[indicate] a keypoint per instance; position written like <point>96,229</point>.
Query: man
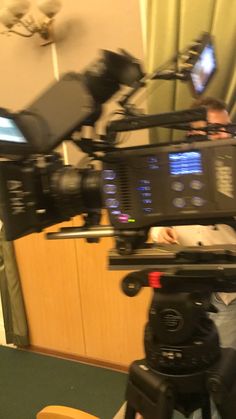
<point>192,235</point>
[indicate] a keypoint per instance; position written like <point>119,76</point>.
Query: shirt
<point>195,235</point>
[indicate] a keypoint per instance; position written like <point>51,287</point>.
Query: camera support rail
<point>82,233</point>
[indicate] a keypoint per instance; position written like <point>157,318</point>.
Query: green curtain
<point>14,315</point>
<point>171,26</point>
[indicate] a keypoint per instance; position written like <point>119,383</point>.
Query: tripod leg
<point>148,393</point>
<point>206,409</point>
<point>130,412</point>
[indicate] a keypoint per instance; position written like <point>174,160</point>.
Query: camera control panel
<point>152,185</point>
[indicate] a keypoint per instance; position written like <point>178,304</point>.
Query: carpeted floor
<point>29,382</point>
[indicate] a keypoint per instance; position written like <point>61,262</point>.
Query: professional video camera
<point>180,183</point>
<point>38,190</point>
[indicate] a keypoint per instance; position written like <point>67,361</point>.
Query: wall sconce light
<point>14,15</point>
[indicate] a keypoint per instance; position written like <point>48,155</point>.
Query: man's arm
<point>164,235</point>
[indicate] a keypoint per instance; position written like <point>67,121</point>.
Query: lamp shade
<point>18,7</point>
<point>7,18</point>
<point>49,7</point>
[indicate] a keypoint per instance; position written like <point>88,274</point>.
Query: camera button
<point>179,202</point>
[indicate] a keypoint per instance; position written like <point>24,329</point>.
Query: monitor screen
<point>10,132</point>
<point>203,69</point>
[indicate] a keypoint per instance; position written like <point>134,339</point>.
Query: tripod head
<point>179,336</point>
<point>182,299</point>
<point>184,361</point>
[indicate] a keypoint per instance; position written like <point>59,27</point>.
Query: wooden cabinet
<point>49,277</point>
<point>74,304</point>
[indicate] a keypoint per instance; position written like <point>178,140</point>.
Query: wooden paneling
<point>49,278</point>
<point>113,322</point>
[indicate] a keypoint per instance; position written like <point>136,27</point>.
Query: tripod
<point>184,366</point>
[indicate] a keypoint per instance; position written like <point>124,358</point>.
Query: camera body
<point>170,184</point>
<point>140,187</point>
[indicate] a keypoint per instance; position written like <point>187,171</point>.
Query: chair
<point>63,412</point>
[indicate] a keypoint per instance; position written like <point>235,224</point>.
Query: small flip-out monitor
<point>204,67</point>
<point>12,139</point>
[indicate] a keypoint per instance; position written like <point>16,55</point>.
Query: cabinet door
<point>74,304</point>
<point>49,277</point>
<point>113,322</point>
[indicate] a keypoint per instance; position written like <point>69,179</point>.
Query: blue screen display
<point>185,163</point>
<point>10,132</point>
<point>203,69</point>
